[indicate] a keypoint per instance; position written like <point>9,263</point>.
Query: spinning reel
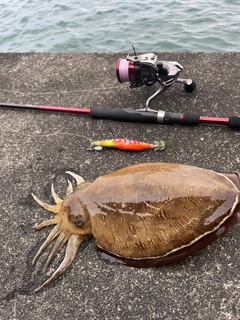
<point>146,69</point>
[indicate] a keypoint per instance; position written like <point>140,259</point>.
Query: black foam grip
<point>234,122</point>
<point>170,117</point>
<point>190,119</point>
<point>127,114</point>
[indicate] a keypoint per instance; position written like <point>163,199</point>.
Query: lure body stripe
<point>124,144</point>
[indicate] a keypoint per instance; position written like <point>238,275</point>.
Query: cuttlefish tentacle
<point>55,196</point>
<point>70,187</point>
<point>52,235</point>
<point>46,223</point>
<point>64,230</point>
<point>78,178</point>
<point>74,243</point>
<point>51,208</point>
<point>47,206</point>
<point>61,240</point>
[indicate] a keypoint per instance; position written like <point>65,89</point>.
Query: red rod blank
<point>214,120</point>
<point>63,109</point>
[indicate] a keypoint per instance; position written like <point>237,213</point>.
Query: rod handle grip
<point>234,122</point>
<point>187,119</point>
<point>127,114</point>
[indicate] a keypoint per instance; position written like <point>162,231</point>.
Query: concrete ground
<point>38,147</point>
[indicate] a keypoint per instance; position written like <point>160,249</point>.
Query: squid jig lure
<point>127,145</point>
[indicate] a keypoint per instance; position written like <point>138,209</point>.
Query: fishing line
<point>123,144</point>
<point>34,135</point>
<point>59,92</point>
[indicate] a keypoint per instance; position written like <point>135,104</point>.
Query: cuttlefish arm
<point>72,226</point>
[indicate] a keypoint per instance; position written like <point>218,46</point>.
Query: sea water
<point>114,25</point>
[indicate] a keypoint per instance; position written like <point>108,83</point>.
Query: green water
<point>112,26</point>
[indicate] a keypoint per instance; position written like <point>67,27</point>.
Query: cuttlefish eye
<point>78,222</point>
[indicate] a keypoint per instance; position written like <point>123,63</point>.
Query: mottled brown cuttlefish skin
<point>159,212</point>
<point>152,210</point>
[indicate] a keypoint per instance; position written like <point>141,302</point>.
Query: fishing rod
<point>142,116</point>
<point>139,70</point>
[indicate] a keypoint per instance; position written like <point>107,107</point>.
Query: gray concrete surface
<point>38,147</point>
